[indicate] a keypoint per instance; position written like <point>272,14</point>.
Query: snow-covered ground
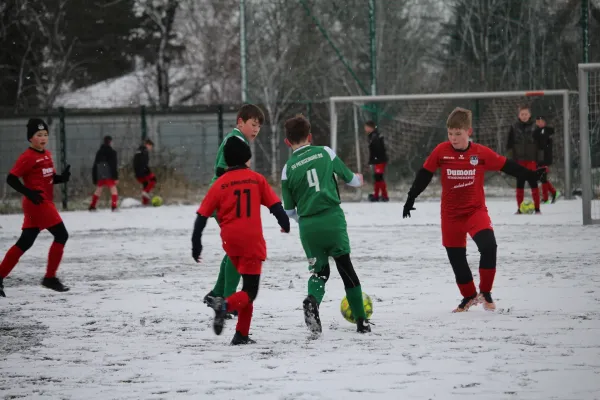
<point>133,325</point>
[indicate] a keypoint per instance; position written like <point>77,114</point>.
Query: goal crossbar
<point>564,93</point>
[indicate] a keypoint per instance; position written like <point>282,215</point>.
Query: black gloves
<point>199,226</point>
<point>408,207</point>
<point>64,177</point>
<point>196,251</point>
<point>35,196</point>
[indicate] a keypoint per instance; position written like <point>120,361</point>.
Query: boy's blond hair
<point>459,118</point>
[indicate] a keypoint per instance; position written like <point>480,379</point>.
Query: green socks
<point>316,287</point>
<point>228,279</point>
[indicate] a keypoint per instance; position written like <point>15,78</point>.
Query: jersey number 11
<point>313,179</point>
<point>238,203</point>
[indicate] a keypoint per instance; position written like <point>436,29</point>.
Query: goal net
<point>589,120</point>
<point>413,125</point>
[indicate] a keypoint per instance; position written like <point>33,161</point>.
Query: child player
<point>463,165</point>
<point>105,172</point>
<point>249,120</point>
<point>36,168</point>
<point>310,195</point>
<point>378,159</point>
<point>141,162</point>
<point>543,135</point>
<point>236,197</point>
<point>523,147</point>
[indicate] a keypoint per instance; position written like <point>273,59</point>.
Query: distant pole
<point>243,51</point>
<point>63,154</point>
<point>373,56</point>
<point>585,32</point>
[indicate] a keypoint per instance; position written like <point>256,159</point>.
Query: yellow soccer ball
<point>157,201</point>
<point>347,311</point>
<point>527,207</point>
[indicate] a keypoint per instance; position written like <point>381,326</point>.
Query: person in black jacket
<point>523,148</point>
<point>105,173</point>
<point>543,135</point>
<point>378,159</point>
<point>141,161</point>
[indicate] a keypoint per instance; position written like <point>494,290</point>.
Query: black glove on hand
<point>408,207</point>
<point>64,177</point>
<point>35,196</point>
<point>196,251</point>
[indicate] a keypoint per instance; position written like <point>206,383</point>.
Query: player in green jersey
<point>310,196</point>
<point>249,120</point>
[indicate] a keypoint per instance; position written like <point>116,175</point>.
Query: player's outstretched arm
<point>518,171</point>
<point>340,169</point>
<point>64,177</point>
<point>199,226</point>
<point>282,217</point>
<point>35,196</point>
<point>420,183</point>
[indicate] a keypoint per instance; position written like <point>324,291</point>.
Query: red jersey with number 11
<point>463,176</point>
<point>237,196</point>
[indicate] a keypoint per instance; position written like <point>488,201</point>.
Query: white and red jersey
<point>463,176</point>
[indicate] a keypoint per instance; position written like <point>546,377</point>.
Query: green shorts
<point>324,235</point>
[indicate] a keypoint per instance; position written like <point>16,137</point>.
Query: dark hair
<point>371,124</point>
<point>107,140</point>
<point>250,111</point>
<point>297,129</point>
<point>148,141</point>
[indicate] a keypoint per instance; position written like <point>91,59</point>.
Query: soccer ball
<point>527,207</point>
<point>347,311</point>
<point>157,201</point>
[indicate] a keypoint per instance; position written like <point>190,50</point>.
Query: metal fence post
<point>144,123</point>
<point>63,154</point>
<point>220,122</point>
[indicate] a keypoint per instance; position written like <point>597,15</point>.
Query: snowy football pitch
<point>133,325</point>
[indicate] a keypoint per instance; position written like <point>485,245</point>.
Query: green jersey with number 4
<point>220,164</point>
<point>308,182</point>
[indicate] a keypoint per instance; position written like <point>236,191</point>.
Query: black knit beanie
<point>34,125</point>
<point>236,152</point>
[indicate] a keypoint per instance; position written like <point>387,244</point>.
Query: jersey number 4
<point>238,203</point>
<point>313,179</point>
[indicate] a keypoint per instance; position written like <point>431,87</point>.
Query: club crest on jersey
<point>474,160</point>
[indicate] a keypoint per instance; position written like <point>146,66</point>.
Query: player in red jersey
<point>36,168</point>
<point>236,196</point>
<point>463,165</point>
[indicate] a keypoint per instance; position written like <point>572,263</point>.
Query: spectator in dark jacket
<point>141,161</point>
<point>378,159</point>
<point>105,173</point>
<point>543,135</point>
<point>522,146</point>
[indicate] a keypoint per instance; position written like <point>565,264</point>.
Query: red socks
<point>11,258</point>
<point>547,187</point>
<point>240,302</point>
<point>380,187</point>
<point>486,277</point>
<point>467,289</point>
<point>520,196</point>
<point>535,193</point>
<point>54,257</point>
<point>113,200</point>
<point>94,201</point>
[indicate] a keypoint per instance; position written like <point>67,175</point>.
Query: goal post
<point>413,124</point>
<point>589,123</point>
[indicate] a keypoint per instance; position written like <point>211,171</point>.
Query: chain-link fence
<point>186,142</point>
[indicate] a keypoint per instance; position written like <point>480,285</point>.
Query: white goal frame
<point>584,142</point>
<point>361,100</point>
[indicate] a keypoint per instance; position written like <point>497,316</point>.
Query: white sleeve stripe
<point>355,182</point>
<point>330,151</point>
<point>284,173</point>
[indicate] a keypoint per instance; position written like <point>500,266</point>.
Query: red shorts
<point>455,229</point>
<point>379,168</point>
<point>245,265</point>
<point>106,182</point>
<point>145,179</point>
<point>42,216</point>
<point>532,165</point>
